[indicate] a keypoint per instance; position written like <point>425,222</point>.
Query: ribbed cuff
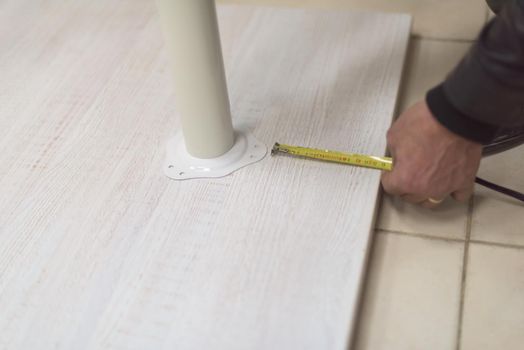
<point>455,121</point>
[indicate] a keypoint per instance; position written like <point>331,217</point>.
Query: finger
<point>390,184</point>
<point>463,195</point>
<point>413,198</point>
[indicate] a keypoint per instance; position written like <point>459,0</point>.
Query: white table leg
<point>191,33</point>
<point>208,146</point>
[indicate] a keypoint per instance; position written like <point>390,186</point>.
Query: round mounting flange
<point>180,165</point>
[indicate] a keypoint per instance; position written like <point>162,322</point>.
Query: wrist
<point>455,121</point>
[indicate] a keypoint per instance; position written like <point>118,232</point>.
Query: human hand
<point>430,162</point>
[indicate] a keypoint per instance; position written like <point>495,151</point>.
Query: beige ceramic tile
<point>411,298</point>
<point>447,221</point>
<point>445,19</point>
<point>494,299</point>
<point>428,63</point>
<point>497,218</point>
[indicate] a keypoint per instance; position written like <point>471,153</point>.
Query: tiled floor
<point>497,219</point>
<point>413,290</point>
<point>494,300</point>
<point>452,278</point>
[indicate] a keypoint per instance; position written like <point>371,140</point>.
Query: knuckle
<point>462,199</point>
<point>462,196</point>
<point>413,184</point>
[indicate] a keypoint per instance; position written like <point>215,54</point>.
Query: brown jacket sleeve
<point>485,92</point>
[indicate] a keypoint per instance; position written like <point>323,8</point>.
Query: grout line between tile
<point>496,244</point>
<point>465,259</point>
<point>420,235</point>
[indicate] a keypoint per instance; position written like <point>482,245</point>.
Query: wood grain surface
<point>99,250</point>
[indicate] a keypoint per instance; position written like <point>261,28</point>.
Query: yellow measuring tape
<point>381,163</point>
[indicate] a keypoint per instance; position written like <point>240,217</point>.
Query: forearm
<point>486,90</point>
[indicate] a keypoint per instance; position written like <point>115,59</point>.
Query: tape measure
<point>381,163</point>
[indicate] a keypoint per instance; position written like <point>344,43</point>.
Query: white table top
<point>99,250</point>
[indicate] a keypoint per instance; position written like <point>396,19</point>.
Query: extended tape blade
<point>374,162</point>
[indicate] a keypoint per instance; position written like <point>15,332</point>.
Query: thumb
<point>390,183</point>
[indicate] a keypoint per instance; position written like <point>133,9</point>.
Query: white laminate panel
<point>99,250</point>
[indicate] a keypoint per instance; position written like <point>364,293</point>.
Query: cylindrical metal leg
<point>191,33</point>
